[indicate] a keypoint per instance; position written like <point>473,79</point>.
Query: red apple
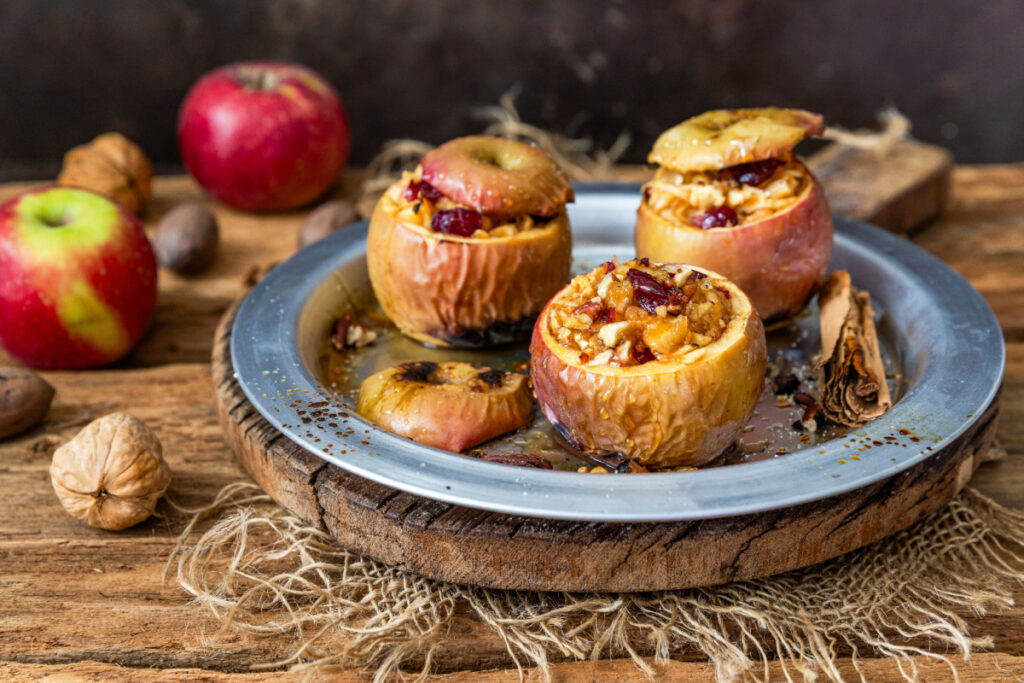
<point>263,136</point>
<point>77,279</point>
<point>779,261</point>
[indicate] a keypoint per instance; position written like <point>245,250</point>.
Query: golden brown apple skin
<point>780,262</point>
<point>453,416</point>
<point>672,413</point>
<point>465,292</point>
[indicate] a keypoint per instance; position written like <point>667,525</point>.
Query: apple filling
<point>415,202</point>
<point>731,196</point>
<point>636,312</point>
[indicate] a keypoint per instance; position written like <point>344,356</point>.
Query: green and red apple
<point>77,279</point>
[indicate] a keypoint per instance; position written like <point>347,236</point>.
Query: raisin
<point>640,354</point>
<point>716,218</point>
<point>803,399</point>
<point>339,338</point>
<point>461,222</point>
<point>647,291</point>
<point>785,383</point>
<point>753,173</point>
<point>419,189</point>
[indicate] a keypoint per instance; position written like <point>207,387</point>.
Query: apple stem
<point>257,79</point>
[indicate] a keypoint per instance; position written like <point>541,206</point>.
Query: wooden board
<point>463,545</point>
<point>899,190</point>
<point>71,595</point>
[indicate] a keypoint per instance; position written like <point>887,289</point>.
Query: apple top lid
<point>727,137</point>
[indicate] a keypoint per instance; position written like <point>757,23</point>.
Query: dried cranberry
<point>754,173</point>
<point>339,338</point>
<point>640,354</point>
<point>645,261</point>
<point>421,189</point>
<point>716,218</point>
<point>785,383</point>
<point>606,315</point>
<point>725,292</point>
<point>461,222</point>
<point>647,291</point>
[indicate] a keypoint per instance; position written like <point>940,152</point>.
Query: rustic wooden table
<point>77,600</point>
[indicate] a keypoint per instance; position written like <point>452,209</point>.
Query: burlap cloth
<point>262,571</point>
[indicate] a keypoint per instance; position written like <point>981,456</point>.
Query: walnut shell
<point>112,473</point>
<point>110,165</point>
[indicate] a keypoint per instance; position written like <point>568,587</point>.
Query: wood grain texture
<point>899,190</point>
<point>71,596</point>
<point>979,668</point>
<point>463,545</point>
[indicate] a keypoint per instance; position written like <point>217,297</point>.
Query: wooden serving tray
<point>468,546</point>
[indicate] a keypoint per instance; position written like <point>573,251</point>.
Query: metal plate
<point>936,327</point>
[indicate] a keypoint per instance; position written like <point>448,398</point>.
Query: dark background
<point>70,69</point>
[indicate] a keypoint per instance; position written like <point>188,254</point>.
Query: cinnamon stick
<point>853,386</point>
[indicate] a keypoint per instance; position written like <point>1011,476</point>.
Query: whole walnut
<point>112,473</point>
<point>110,165</point>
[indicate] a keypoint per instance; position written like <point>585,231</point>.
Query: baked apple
<point>453,406</point>
<point>467,249</point>
<point>659,363</point>
<point>730,196</point>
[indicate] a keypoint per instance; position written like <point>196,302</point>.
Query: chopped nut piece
<point>351,334</point>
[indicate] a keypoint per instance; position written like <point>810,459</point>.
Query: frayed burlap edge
<point>260,570</point>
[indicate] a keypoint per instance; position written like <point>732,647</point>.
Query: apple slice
<point>726,137</point>
<point>659,363</point>
<point>498,177</point>
<point>453,406</point>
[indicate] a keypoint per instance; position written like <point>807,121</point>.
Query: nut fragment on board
<point>24,399</point>
<point>186,239</point>
<point>853,386</point>
<point>112,473</point>
<point>110,165</point>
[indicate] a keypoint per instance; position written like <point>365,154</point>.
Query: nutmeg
<point>186,238</point>
<point>112,473</point>
<point>110,165</point>
<point>24,399</point>
<point>325,219</point>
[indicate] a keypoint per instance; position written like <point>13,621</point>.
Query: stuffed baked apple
<point>659,363</point>
<point>467,249</point>
<point>454,406</point>
<point>730,196</point>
